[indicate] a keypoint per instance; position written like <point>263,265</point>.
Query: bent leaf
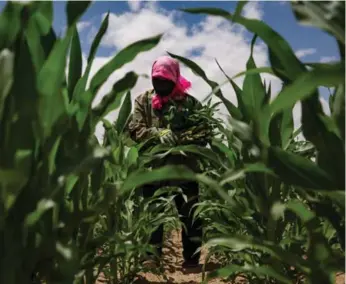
<point>305,85</point>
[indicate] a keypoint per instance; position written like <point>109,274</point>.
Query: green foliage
<point>58,184</point>
<point>281,210</point>
<point>71,207</point>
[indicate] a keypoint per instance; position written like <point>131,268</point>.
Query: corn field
<point>272,206</point>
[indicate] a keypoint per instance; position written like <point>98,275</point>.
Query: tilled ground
<point>172,264</point>
<point>174,273</point>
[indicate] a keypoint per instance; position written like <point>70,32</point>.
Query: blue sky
<point>313,43</point>
<point>199,37</point>
<point>276,14</point>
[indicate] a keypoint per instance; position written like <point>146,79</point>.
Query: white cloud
<point>327,59</point>
<point>305,52</point>
<point>213,37</point>
<point>252,11</point>
<point>134,5</point>
<point>81,26</point>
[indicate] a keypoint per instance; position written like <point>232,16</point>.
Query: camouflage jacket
<point>145,119</point>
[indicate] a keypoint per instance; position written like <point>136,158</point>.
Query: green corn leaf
<point>318,248</point>
<point>84,108</point>
<point>253,71</point>
<point>239,94</point>
<point>328,15</point>
<point>49,83</point>
<point>10,23</point>
<point>81,85</point>
<point>113,99</point>
<point>239,8</point>
<point>23,91</point>
<point>43,206</point>
<point>198,150</point>
<point>33,38</point>
<point>74,10</point>
<point>98,154</point>
<point>323,66</point>
<point>75,64</point>
<point>296,170</point>
<point>124,113</point>
<point>323,132</point>
<point>232,109</point>
<point>341,46</point>
<point>44,16</point>
<point>246,242</point>
<point>260,271</point>
<point>241,130</point>
<point>277,67</point>
<point>287,127</point>
<point>11,182</point>
<point>14,179</point>
<point>305,86</point>
<point>69,183</point>
<point>297,132</point>
<point>48,41</point>
<point>97,178</point>
<point>97,40</point>
<point>338,109</point>
<point>142,177</point>
<point>223,151</point>
<point>268,94</point>
<point>132,157</point>
<point>232,175</point>
<point>124,56</point>
<point>42,12</point>
<point>331,102</point>
<point>326,208</point>
<point>52,156</point>
<point>80,96</point>
<point>6,77</point>
<point>64,251</point>
<point>281,128</point>
<point>253,90</point>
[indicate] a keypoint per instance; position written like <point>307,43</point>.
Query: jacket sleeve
<point>138,126</point>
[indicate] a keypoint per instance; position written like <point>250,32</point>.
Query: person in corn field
<point>161,114</point>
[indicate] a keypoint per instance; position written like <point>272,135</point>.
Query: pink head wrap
<point>168,68</point>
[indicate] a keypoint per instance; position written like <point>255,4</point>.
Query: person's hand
<point>167,137</point>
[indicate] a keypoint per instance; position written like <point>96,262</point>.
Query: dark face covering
<point>163,87</point>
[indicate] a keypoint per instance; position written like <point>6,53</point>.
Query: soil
<point>174,273</point>
<point>172,264</point>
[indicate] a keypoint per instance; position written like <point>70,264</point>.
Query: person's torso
<point>173,115</point>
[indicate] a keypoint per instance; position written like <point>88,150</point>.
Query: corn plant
<point>71,207</point>
<point>125,228</point>
<point>53,170</point>
<point>280,201</point>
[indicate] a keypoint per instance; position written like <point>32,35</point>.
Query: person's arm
<point>138,127</point>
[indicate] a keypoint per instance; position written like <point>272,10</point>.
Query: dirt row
<point>174,273</point>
